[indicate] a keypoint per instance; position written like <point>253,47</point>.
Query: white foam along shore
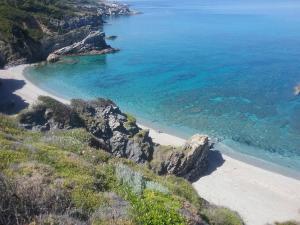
<point>260,196</point>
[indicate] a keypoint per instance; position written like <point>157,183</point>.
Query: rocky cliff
<point>32,29</point>
<point>188,161</point>
<point>117,133</point>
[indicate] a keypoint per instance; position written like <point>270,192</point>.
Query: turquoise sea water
<point>222,67</point>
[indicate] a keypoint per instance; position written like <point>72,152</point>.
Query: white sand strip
<point>260,196</point>
<point>29,92</point>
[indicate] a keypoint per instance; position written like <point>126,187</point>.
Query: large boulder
<point>52,58</point>
<point>113,130</point>
<point>188,161</point>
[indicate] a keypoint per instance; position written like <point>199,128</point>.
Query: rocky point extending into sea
<point>76,31</point>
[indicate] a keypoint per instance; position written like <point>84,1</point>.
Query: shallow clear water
<point>221,67</point>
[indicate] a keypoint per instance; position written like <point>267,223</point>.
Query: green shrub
<point>221,216</point>
<point>154,208</point>
<point>59,109</point>
<point>288,223</point>
<point>131,122</point>
<point>9,125</point>
<point>87,200</point>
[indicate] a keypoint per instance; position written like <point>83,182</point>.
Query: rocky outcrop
<point>189,161</point>
<point>111,37</point>
<point>118,134</point>
<point>52,43</point>
<point>93,43</point>
<point>52,58</point>
<point>113,130</point>
<point>115,9</point>
<point>71,27</point>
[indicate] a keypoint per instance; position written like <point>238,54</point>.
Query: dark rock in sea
<point>189,161</point>
<point>111,37</point>
<point>297,90</point>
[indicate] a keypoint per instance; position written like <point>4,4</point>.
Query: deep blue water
<point>222,67</point>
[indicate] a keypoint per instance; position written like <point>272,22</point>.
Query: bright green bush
<point>153,208</point>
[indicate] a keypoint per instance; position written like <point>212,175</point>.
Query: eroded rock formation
<point>189,161</point>
<point>118,134</point>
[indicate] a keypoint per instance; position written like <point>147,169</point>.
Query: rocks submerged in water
<point>111,37</point>
<point>297,90</point>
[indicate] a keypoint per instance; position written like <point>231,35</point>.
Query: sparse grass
<point>288,223</point>
<point>221,216</point>
<point>131,121</point>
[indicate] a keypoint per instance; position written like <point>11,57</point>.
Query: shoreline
<point>259,195</point>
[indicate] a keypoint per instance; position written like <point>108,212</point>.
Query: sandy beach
<point>260,196</point>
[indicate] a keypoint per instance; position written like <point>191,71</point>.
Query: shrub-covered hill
<point>32,29</point>
<point>55,177</point>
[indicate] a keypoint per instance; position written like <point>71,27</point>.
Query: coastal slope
<point>260,196</point>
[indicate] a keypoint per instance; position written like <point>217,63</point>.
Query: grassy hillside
<point>56,178</point>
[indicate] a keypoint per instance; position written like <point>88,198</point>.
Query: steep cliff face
<point>188,161</point>
<point>32,29</point>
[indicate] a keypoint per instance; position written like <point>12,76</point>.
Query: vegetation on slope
<point>22,16</point>
<point>57,178</point>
